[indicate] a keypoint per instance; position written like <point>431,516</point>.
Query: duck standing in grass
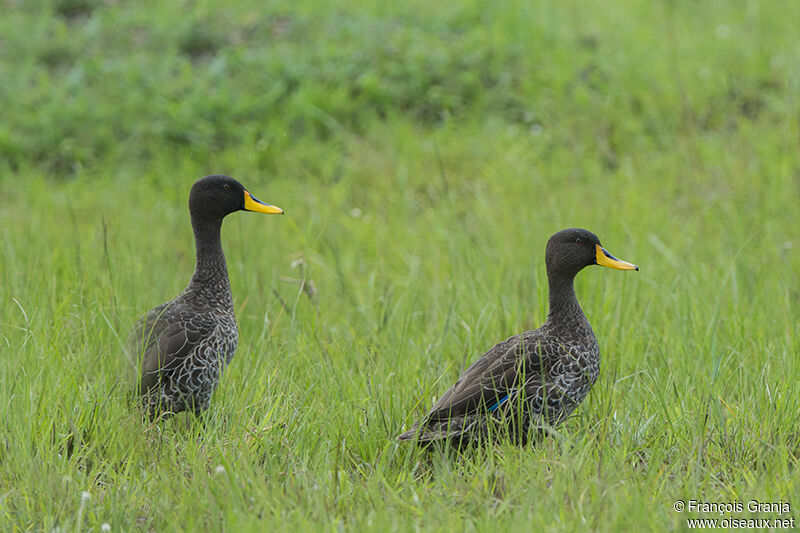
<point>185,343</point>
<point>535,379</point>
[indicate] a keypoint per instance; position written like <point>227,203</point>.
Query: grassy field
<point>423,155</point>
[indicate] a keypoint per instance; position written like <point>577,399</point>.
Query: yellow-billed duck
<point>535,379</point>
<point>186,342</point>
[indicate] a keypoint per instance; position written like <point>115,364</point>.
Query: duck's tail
<point>425,432</point>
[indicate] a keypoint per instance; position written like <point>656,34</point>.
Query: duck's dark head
<point>570,250</point>
<point>217,196</point>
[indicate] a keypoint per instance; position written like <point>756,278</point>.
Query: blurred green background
<point>423,153</point>
<point>93,84</point>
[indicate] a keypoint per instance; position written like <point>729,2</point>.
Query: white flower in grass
<point>85,496</point>
<point>105,527</point>
<point>219,469</point>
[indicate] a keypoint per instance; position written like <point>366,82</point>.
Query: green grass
<point>423,156</point>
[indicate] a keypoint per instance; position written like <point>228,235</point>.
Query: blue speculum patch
<point>498,404</point>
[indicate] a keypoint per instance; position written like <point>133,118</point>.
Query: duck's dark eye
<point>227,186</point>
<point>579,240</point>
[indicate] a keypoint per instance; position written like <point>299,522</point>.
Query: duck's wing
<point>517,363</point>
<point>148,328</point>
<point>485,383</point>
<point>172,337</point>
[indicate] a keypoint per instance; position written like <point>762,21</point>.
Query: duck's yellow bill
<point>605,259</point>
<point>251,203</point>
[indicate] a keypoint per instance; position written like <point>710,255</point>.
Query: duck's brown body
<point>187,343</point>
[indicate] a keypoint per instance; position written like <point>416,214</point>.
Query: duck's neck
<point>211,272</point>
<point>564,306</point>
